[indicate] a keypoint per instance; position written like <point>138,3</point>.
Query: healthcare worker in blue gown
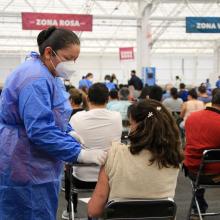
<point>34,131</point>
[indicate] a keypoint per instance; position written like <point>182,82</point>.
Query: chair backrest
<point>140,209</point>
<point>209,156</point>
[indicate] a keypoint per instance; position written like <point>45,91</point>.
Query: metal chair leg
<point>191,203</point>
<point>198,209</point>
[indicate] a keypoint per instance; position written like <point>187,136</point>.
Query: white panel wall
<point>191,68</point>
<point>7,64</point>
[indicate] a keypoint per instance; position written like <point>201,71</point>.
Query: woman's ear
<point>47,53</point>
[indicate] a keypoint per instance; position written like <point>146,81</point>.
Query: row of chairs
<point>148,209</point>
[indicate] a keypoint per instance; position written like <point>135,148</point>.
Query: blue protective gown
<point>34,114</point>
<point>85,83</point>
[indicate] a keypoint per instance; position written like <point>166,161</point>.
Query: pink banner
<point>126,53</point>
<point>40,21</point>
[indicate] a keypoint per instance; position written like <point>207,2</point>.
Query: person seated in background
<point>202,131</point>
<point>177,82</point>
<point>217,84</point>
<point>148,167</point>
<point>113,98</point>
<point>208,85</point>
<point>98,128</point>
<point>214,91</point>
<point>192,105</point>
<point>86,82</point>
<point>173,103</point>
<point>114,80</point>
<point>110,85</point>
<point>68,85</point>
<point>202,95</point>
<point>135,81</point>
<point>167,91</point>
<point>183,93</point>
<point>122,105</point>
<point>76,100</point>
<point>144,93</point>
<point>156,93</point>
<point>135,85</point>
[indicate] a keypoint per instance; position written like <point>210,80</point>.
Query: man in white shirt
<point>98,128</point>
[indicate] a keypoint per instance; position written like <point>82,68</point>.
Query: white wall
<point>191,68</point>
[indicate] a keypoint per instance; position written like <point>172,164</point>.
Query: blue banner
<point>202,24</point>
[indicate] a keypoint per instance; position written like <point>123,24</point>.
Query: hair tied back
<point>45,34</point>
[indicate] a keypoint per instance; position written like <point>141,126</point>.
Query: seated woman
<point>148,168</point>
<point>192,105</point>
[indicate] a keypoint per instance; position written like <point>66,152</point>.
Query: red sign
<point>40,21</point>
<point>126,53</point>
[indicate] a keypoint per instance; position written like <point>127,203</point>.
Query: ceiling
<point>114,24</point>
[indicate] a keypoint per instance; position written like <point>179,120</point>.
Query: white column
<point>214,75</point>
<point>143,36</point>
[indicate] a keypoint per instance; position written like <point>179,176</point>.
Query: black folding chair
<point>133,209</point>
<point>77,190</point>
<point>209,156</point>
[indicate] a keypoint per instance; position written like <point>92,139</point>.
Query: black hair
<point>98,94</point>
<point>108,77</point>
<point>88,75</point>
<point>182,86</point>
<point>144,92</point>
<point>56,38</point>
<point>156,93</point>
<point>113,94</point>
<point>193,93</point>
<point>174,92</point>
<point>75,96</point>
<point>133,72</point>
<point>156,131</point>
<point>202,89</point>
<point>216,97</point>
<point>124,93</point>
<point>214,91</point>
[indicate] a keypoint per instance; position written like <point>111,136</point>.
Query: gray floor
<point>182,199</point>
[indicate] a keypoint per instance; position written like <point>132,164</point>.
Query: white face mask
<point>65,69</point>
<point>107,81</point>
<point>91,79</point>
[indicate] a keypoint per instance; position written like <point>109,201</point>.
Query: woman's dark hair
<point>88,75</point>
<point>108,77</point>
<point>56,38</point>
<point>113,76</point>
<point>193,93</point>
<point>157,132</point>
<point>216,90</point>
<point>113,94</point>
<point>202,89</point>
<point>75,96</point>
<point>174,93</point>
<point>144,92</point>
<point>182,86</point>
<point>216,97</point>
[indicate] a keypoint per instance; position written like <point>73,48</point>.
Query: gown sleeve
<point>35,111</point>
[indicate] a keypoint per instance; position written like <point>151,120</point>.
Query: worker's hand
<point>77,137</point>
<point>92,156</point>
